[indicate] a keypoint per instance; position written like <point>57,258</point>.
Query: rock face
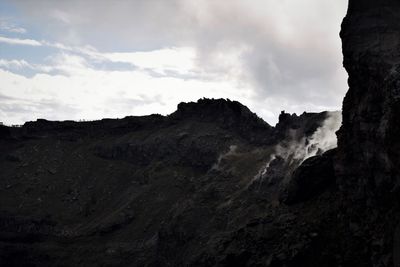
<point>367,163</point>
<point>368,140</point>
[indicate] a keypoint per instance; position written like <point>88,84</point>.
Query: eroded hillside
<point>156,190</point>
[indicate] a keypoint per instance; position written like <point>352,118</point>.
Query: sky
<point>94,59</point>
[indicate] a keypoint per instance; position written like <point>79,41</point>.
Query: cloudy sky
<point>95,58</point>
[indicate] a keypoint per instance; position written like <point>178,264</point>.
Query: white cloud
<point>83,92</point>
<point>12,29</point>
<point>17,41</point>
<point>8,26</point>
<point>175,59</point>
<point>181,60</point>
<point>94,94</point>
<point>17,64</point>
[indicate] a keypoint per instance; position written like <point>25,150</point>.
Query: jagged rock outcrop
<point>230,115</point>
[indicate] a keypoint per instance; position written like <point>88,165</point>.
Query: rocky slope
<point>201,186</point>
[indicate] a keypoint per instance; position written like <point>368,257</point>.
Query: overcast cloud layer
<point>93,59</point>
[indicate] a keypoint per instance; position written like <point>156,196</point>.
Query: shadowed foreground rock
<point>311,178</point>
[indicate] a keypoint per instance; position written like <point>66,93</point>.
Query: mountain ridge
<point>134,182</point>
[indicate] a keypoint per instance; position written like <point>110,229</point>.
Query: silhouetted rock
<point>367,164</point>
<point>368,140</point>
<point>228,114</point>
<point>311,178</point>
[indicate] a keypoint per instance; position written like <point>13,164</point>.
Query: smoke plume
<point>294,151</point>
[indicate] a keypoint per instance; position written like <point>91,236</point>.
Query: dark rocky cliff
<point>367,166</point>
<point>368,140</point>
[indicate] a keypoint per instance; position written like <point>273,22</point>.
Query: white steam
<point>324,137</point>
<point>295,151</point>
<point>231,151</point>
<point>291,152</point>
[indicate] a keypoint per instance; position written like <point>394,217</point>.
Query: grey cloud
<point>291,49</point>
<point>301,67</point>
